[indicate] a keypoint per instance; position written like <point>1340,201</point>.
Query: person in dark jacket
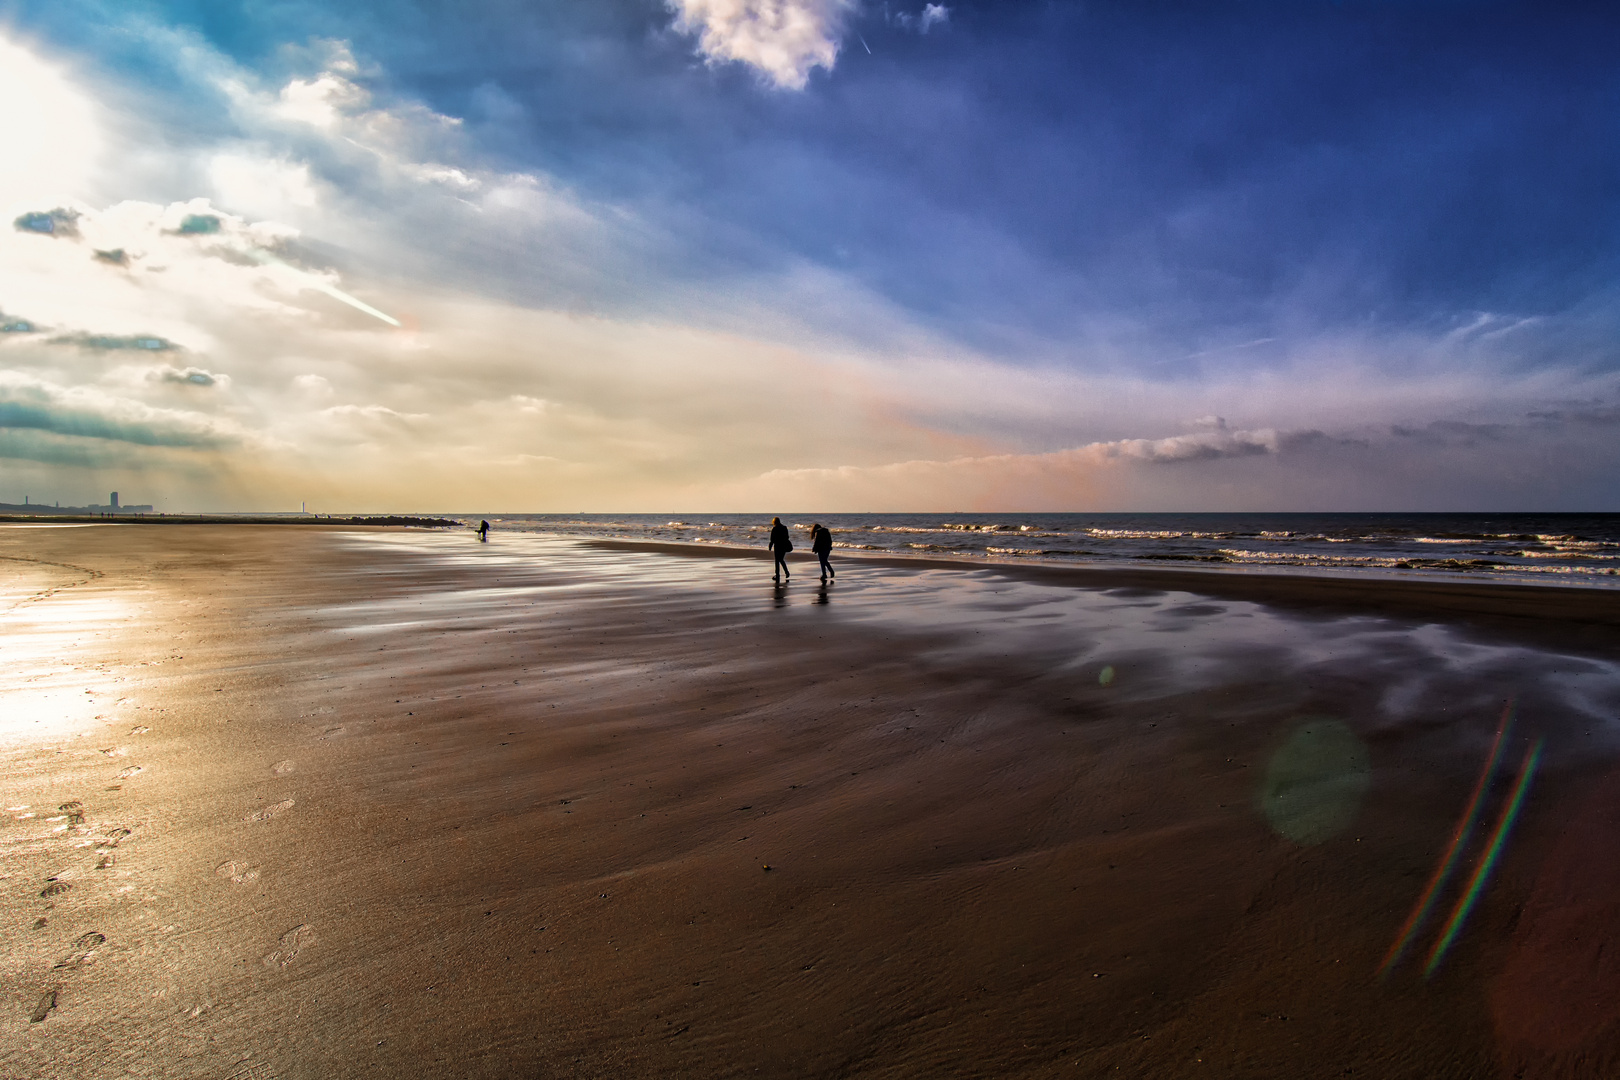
<point>781,545</point>
<point>821,544</point>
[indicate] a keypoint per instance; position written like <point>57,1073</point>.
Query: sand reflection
<point>49,688</point>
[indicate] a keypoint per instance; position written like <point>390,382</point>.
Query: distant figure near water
<point>821,544</point>
<point>781,545</point>
<point>483,532</point>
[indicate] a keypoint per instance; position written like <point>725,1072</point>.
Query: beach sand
<point>319,802</point>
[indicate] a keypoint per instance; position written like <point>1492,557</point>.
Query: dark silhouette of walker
<point>483,532</point>
<point>821,544</point>
<point>780,544</point>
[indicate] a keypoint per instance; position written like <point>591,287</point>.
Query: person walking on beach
<point>781,544</point>
<point>483,532</point>
<point>821,544</point>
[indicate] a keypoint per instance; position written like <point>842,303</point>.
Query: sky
<point>840,255</point>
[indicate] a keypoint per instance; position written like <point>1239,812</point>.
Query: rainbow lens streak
<point>1510,814</point>
<point>1459,843</point>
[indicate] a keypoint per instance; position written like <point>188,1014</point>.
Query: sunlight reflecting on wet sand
<point>49,689</point>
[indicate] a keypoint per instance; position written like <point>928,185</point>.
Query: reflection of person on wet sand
<point>781,545</point>
<point>821,544</point>
<point>483,532</point>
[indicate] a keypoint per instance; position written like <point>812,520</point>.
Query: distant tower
<point>114,500</point>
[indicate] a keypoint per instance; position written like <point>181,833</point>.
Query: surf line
<point>1459,842</point>
<point>1510,814</point>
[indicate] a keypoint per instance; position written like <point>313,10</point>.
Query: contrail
<point>864,45</point>
<point>310,281</point>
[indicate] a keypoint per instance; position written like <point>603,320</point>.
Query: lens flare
<point>1459,842</point>
<point>1510,814</point>
<point>1314,785</point>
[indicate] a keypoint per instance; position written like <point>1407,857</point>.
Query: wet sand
<point>325,802</point>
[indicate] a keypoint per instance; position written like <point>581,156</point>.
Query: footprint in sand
<point>125,774</point>
<point>282,768</point>
<point>84,951</point>
<point>270,811</point>
<point>237,873</point>
<point>47,1002</point>
<point>291,944</point>
<point>142,730</point>
<point>75,812</point>
<point>247,1069</point>
<point>113,838</point>
<point>55,888</point>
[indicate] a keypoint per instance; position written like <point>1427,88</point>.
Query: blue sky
<point>736,254</point>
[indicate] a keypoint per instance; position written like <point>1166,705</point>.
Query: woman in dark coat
<point>781,545</point>
<point>821,544</point>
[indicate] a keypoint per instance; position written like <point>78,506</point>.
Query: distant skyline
<point>730,255</point>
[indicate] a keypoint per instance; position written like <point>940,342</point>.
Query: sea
<point>1562,548</point>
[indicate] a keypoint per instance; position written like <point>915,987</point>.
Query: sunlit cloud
<point>52,134</point>
<point>784,40</point>
<point>930,16</point>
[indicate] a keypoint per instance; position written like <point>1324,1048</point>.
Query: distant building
<point>113,506</point>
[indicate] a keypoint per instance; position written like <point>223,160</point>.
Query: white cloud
<point>314,386</point>
<point>1069,477</point>
<point>138,272</point>
<point>783,39</point>
<point>260,185</point>
<point>931,15</point>
<point>321,101</point>
<point>52,133</point>
<point>531,406</point>
<point>1215,442</point>
<point>443,174</point>
<point>372,412</point>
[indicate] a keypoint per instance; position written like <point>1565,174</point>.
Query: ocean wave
<point>1156,534</point>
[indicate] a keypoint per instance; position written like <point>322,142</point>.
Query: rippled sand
<point>299,802</point>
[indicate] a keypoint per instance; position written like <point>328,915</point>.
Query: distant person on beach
<point>483,532</point>
<point>781,545</point>
<point>821,544</point>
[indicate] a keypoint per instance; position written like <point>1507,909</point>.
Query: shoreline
<point>1565,616</point>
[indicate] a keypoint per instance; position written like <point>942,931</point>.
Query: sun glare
<point>52,137</point>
